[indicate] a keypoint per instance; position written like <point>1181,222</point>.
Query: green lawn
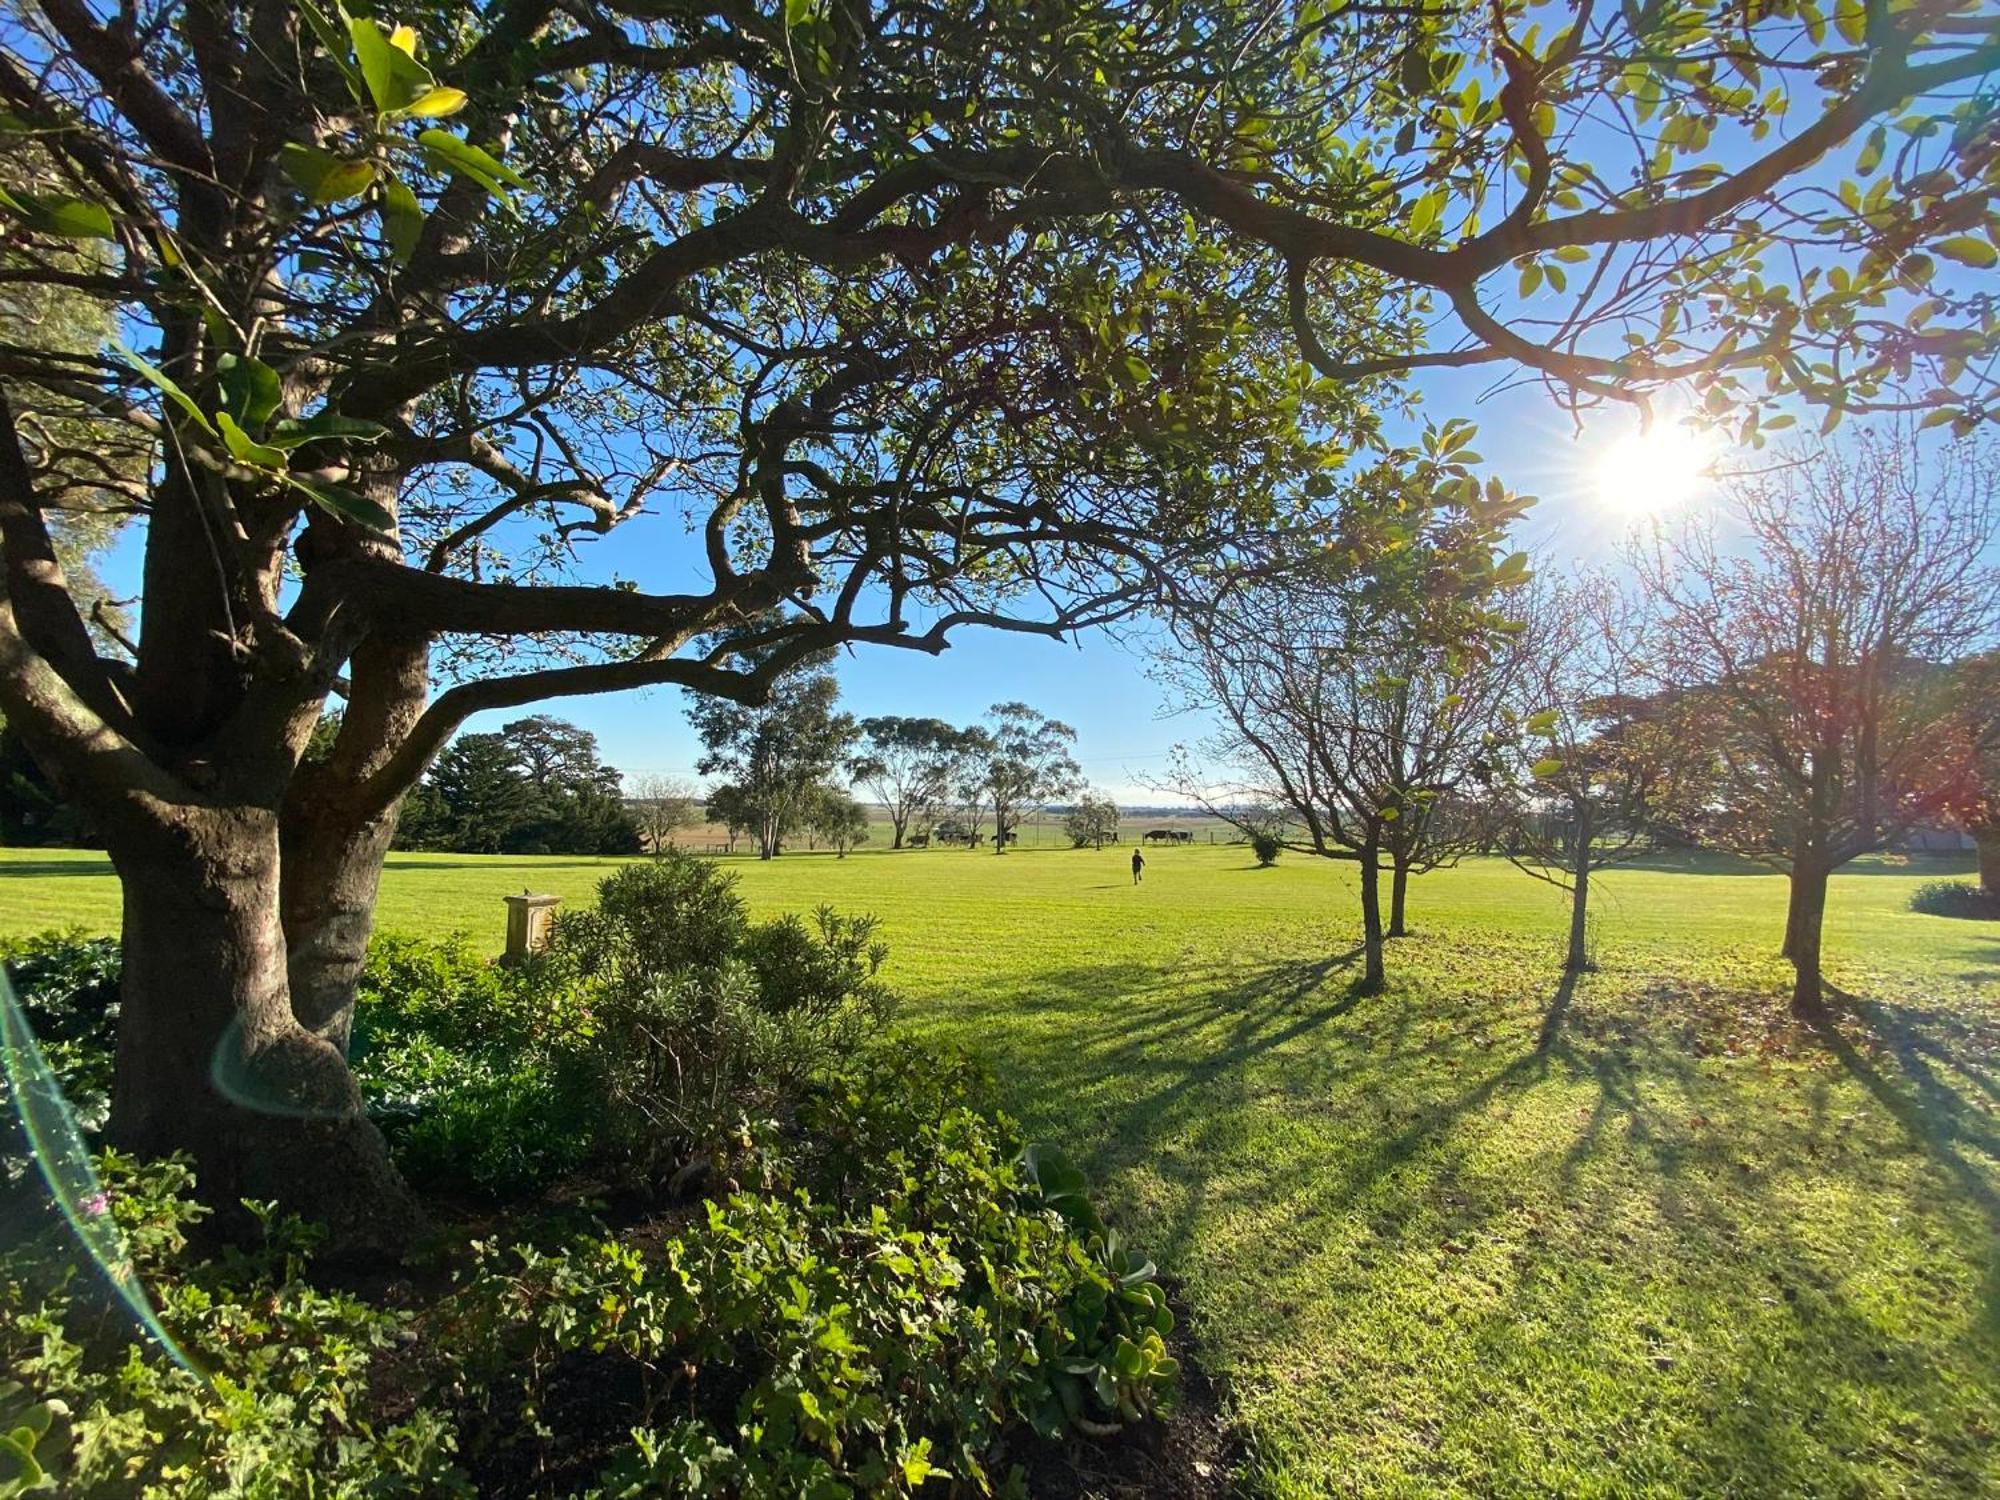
<point>1484,1234</point>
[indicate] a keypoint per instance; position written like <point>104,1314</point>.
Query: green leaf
<point>395,79</point>
<point>326,425</point>
<point>349,179</point>
<point>456,154</point>
<point>1871,151</point>
<point>344,504</point>
<point>402,219</point>
<point>1549,766</point>
<point>1415,73</point>
<point>438,103</point>
<point>251,388</point>
<point>66,218</point>
<point>244,449</point>
<point>1424,217</point>
<point>325,177</point>
<point>1968,250</point>
<point>1531,278</point>
<point>164,383</point>
<point>337,47</point>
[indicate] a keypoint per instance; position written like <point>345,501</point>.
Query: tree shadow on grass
<point>1568,1171</point>
<point>1937,1116</point>
<point>525,864</point>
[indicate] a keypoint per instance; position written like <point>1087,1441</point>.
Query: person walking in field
<point>1138,866</point>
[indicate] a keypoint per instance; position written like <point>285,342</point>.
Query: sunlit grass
<point>1484,1234</point>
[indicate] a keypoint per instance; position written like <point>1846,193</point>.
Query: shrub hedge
<point>884,1289</point>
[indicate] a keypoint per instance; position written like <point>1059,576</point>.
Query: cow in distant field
<point>1168,836</point>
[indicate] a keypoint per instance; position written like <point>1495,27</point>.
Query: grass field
<point>1485,1234</point>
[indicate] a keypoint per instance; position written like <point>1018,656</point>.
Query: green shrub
<point>896,1291</point>
<point>700,1020</point>
<point>908,1286</point>
<point>1266,847</point>
<point>265,1393</point>
<point>67,985</point>
<point>657,1022</point>
<point>474,1071</point>
<point>1956,898</point>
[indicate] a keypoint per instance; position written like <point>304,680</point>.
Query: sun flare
<point>1662,469</point>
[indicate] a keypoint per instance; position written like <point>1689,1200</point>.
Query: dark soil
<point>1192,1454</point>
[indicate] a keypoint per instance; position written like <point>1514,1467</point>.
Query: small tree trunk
<point>1373,975</point>
<point>211,1059</point>
<point>1988,841</point>
<point>1808,907</point>
<point>897,824</point>
<point>1578,957</point>
<point>1399,886</point>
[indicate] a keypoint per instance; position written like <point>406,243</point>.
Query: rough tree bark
<point>1399,886</point>
<point>1805,927</point>
<point>212,1060</point>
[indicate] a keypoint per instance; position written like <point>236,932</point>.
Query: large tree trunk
<point>1807,923</point>
<point>1373,975</point>
<point>332,873</point>
<point>1399,887</point>
<point>332,854</point>
<point>211,1059</point>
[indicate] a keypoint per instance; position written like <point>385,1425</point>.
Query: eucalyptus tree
<point>908,763</point>
<point>906,320</point>
<point>774,756</point>
<point>1023,761</point>
<point>1092,819</point>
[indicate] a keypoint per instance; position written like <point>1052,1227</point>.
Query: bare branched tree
<point>664,805</point>
<point>1813,660</point>
<point>1593,759</point>
<point>1361,709</point>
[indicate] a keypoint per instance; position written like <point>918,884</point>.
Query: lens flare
<point>54,1143</point>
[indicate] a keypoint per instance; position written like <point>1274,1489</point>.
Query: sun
<point>1661,469</point>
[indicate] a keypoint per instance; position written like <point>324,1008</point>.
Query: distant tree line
<point>787,767</point>
<point>535,787</point>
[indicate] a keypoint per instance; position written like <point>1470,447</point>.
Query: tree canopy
<point>898,321</point>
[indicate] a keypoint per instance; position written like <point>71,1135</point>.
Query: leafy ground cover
<point>1486,1233</point>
